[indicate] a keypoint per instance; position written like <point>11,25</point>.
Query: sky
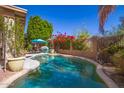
<point>73,18</point>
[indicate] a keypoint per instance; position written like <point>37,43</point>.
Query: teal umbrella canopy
<point>39,41</point>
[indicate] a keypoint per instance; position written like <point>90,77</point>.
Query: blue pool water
<point>61,72</point>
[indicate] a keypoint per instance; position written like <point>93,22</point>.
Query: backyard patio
<point>40,56</point>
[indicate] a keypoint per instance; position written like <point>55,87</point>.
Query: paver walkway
<point>5,75</point>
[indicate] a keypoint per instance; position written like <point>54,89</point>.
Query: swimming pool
<point>61,72</point>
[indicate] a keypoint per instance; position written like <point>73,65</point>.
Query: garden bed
<point>115,76</point>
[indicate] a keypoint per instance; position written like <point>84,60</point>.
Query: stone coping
<point>33,55</point>
<point>99,69</point>
<point>109,82</point>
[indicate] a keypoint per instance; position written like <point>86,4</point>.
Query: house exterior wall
<point>10,14</point>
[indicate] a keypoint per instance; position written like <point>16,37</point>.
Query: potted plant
<point>16,64</point>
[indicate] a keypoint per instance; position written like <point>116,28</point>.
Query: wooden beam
<point>14,8</point>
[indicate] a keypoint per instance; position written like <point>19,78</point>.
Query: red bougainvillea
<point>62,40</point>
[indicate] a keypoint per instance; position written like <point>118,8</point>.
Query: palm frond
<point>104,11</point>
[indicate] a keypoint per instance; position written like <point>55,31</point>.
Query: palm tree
<point>104,11</point>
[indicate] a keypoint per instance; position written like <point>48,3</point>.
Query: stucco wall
<point>10,14</point>
<point>87,54</point>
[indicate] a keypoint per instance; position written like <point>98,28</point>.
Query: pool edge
<point>99,69</point>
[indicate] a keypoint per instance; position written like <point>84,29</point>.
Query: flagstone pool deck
<point>6,78</point>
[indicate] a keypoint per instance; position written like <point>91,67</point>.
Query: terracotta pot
<point>16,64</point>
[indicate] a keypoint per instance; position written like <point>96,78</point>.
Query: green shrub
<point>79,45</point>
<point>29,48</point>
<point>118,59</point>
<point>113,49</point>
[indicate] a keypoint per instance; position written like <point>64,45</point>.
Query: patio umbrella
<point>39,41</point>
